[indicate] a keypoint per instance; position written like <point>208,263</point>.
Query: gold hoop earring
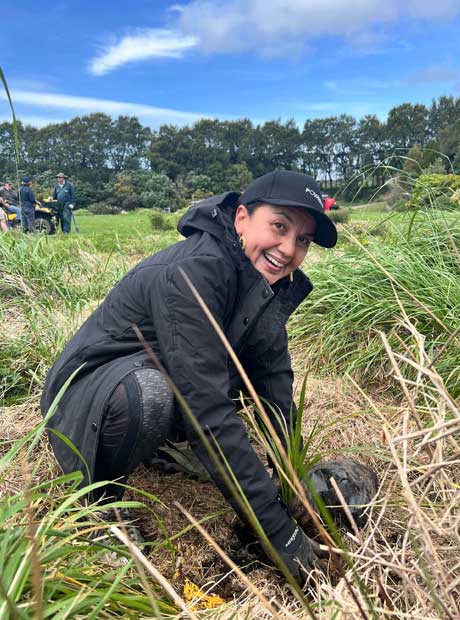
<point>242,241</point>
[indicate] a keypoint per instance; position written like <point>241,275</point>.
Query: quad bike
<point>46,217</point>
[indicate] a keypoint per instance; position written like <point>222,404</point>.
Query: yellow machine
<point>46,217</point>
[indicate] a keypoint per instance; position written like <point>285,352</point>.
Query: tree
<point>318,143</point>
<point>237,177</point>
<point>407,125</point>
<point>413,162</point>
<point>449,141</point>
<point>159,193</point>
<point>198,183</point>
<point>278,145</point>
<point>123,191</point>
<point>170,151</point>
<point>441,114</point>
<point>343,137</point>
<point>127,143</point>
<point>372,147</point>
<point>237,140</point>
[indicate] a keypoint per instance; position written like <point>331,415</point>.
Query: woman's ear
<point>241,215</point>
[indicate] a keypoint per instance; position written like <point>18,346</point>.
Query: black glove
<point>301,555</point>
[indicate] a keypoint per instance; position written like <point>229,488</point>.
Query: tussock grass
<point>46,290</point>
<point>362,291</point>
<point>57,560</point>
<point>406,560</point>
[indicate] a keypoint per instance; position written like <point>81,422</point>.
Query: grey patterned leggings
<point>137,421</point>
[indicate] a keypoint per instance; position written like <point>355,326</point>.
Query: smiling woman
<point>275,239</point>
<point>242,254</point>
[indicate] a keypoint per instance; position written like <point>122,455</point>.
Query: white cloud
<point>281,27</point>
<point>149,115</point>
<point>359,87</point>
<point>142,45</point>
<point>434,74</point>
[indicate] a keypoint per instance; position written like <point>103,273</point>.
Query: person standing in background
<point>9,200</point>
<point>28,205</point>
<point>65,195</point>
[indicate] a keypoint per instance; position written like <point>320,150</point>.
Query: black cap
<point>26,179</point>
<point>285,188</point>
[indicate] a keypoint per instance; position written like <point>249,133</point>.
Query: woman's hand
<point>301,555</point>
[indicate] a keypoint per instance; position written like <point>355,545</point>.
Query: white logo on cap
<point>314,194</point>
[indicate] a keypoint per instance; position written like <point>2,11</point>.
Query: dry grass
<point>407,558</point>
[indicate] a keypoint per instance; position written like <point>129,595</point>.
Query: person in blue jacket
<point>28,202</point>
<point>64,193</point>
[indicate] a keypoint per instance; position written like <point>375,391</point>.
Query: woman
<point>242,253</point>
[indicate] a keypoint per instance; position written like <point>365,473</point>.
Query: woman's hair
<point>251,207</point>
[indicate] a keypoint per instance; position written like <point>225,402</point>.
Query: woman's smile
<point>276,239</point>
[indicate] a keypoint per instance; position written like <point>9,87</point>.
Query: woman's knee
<point>137,421</point>
<point>157,403</point>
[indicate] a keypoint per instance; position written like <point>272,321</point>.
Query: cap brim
<point>326,232</point>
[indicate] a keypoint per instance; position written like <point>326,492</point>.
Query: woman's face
<point>277,238</point>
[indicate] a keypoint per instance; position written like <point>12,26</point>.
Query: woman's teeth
<point>273,261</point>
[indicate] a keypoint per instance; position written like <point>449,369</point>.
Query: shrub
<point>131,202</point>
<point>434,190</point>
<point>85,193</point>
<point>160,221</point>
<point>84,212</point>
<point>196,182</point>
<point>104,208</point>
<point>159,193</point>
<point>340,216</point>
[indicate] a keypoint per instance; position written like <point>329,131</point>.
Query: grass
<point>119,232</point>
<point>54,550</point>
<point>370,288</point>
<point>405,564</point>
<point>375,314</point>
<point>50,284</point>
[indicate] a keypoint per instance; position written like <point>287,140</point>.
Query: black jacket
<point>155,297</point>
<point>27,197</point>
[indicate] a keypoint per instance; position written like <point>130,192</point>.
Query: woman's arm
<point>197,362</point>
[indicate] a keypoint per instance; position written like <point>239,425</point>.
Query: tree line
<point>104,155</point>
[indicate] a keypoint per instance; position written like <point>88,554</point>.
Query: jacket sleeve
<point>196,361</point>
<point>270,372</point>
<point>55,193</point>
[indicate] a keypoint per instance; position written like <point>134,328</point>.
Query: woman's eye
<point>304,241</point>
<point>279,226</point>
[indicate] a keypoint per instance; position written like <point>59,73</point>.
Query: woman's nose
<point>288,246</point>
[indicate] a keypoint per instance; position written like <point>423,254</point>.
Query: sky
<point>176,62</point>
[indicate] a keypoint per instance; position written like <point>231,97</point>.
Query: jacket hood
<point>213,215</point>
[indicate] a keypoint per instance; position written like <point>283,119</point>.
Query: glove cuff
<point>287,539</point>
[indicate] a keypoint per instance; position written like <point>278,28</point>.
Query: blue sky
<point>175,62</point>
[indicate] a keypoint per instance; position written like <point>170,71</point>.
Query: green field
<point>132,233</point>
